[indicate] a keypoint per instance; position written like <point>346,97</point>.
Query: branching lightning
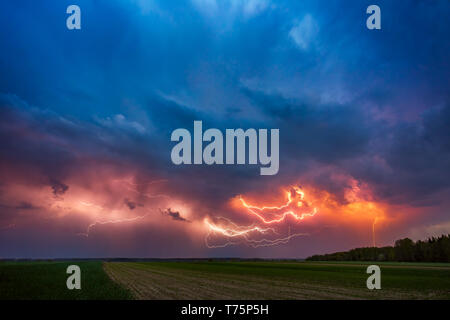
<point>130,186</point>
<point>242,234</point>
<point>267,215</point>
<point>279,217</point>
<point>115,221</point>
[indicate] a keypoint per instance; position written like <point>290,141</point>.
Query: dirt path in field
<point>148,281</point>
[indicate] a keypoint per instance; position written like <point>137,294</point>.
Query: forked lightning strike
<point>111,222</point>
<point>129,185</point>
<point>244,234</point>
<point>280,217</point>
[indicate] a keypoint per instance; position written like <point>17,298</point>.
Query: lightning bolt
<point>244,234</point>
<point>115,221</point>
<point>92,205</point>
<point>257,211</point>
<point>236,234</point>
<point>235,230</point>
<point>373,231</point>
<point>131,186</point>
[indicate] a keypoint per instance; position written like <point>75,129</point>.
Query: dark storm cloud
<point>335,135</point>
<point>419,157</point>
<point>416,155</point>
<point>23,205</point>
<point>26,206</point>
<point>131,204</point>
<point>326,133</point>
<point>175,215</point>
<point>52,144</point>
<point>59,188</point>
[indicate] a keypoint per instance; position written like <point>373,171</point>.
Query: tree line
<point>435,249</point>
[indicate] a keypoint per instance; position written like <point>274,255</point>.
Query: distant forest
<point>405,250</point>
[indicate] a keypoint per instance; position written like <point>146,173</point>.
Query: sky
<point>86,118</point>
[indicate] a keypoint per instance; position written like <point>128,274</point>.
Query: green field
<point>47,280</point>
<point>223,280</point>
<point>279,280</point>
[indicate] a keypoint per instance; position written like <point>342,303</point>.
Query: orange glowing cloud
<point>305,208</point>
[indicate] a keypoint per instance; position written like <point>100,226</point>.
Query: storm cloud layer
<point>86,118</point>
